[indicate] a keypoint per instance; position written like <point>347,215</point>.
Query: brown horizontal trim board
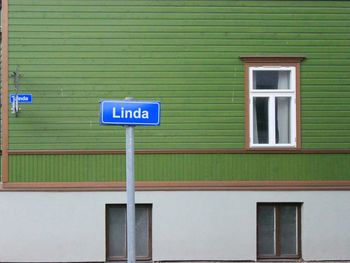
<point>272,58</point>
<point>179,186</point>
<point>181,151</point>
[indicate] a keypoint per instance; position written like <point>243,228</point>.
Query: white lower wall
<point>193,225</point>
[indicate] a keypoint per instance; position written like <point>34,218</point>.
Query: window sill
<point>273,148</point>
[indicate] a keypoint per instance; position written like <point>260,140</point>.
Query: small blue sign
<point>134,113</point>
<point>22,98</point>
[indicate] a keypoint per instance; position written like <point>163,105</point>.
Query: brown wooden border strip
<point>180,186</point>
<point>263,59</point>
<point>181,151</point>
<point>4,93</point>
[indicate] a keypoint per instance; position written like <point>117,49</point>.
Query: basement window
<point>116,234</point>
<point>279,230</point>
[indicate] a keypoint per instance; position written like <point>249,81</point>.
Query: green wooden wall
<point>184,53</point>
<point>73,53</point>
<point>180,167</point>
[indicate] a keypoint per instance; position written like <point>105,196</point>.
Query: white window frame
<point>271,95</point>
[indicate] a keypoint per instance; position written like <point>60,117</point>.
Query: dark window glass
<point>266,230</point>
<point>260,120</point>
<point>116,231</point>
<point>265,79</point>
<point>142,223</point>
<point>288,224</point>
<point>271,80</point>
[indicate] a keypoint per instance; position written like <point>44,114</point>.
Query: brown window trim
<point>149,210</point>
<point>256,61</point>
<point>278,256</point>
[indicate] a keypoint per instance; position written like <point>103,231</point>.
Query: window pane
<point>142,231</point>
<point>117,231</point>
<point>282,112</point>
<point>260,120</point>
<point>288,230</point>
<point>271,79</point>
<point>266,230</point>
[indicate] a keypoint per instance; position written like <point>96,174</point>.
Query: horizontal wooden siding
<point>73,53</point>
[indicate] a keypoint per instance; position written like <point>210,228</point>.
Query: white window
<point>272,106</point>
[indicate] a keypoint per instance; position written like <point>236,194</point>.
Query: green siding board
<point>198,34</point>
<point>253,42</point>
<point>126,81</point>
<point>263,15</point>
<point>113,76</point>
<point>307,4</point>
<point>180,167</point>
<point>72,53</point>
<point>144,8</point>
<point>52,114</point>
<point>188,25</point>
<point>132,54</point>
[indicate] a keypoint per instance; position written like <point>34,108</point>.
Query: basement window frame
<point>123,258</point>
<point>277,255</point>
<point>273,63</point>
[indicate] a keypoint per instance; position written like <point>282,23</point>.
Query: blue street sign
<point>126,112</point>
<point>22,98</point>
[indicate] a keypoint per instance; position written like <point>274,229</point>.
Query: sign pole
<point>130,113</point>
<point>130,192</point>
